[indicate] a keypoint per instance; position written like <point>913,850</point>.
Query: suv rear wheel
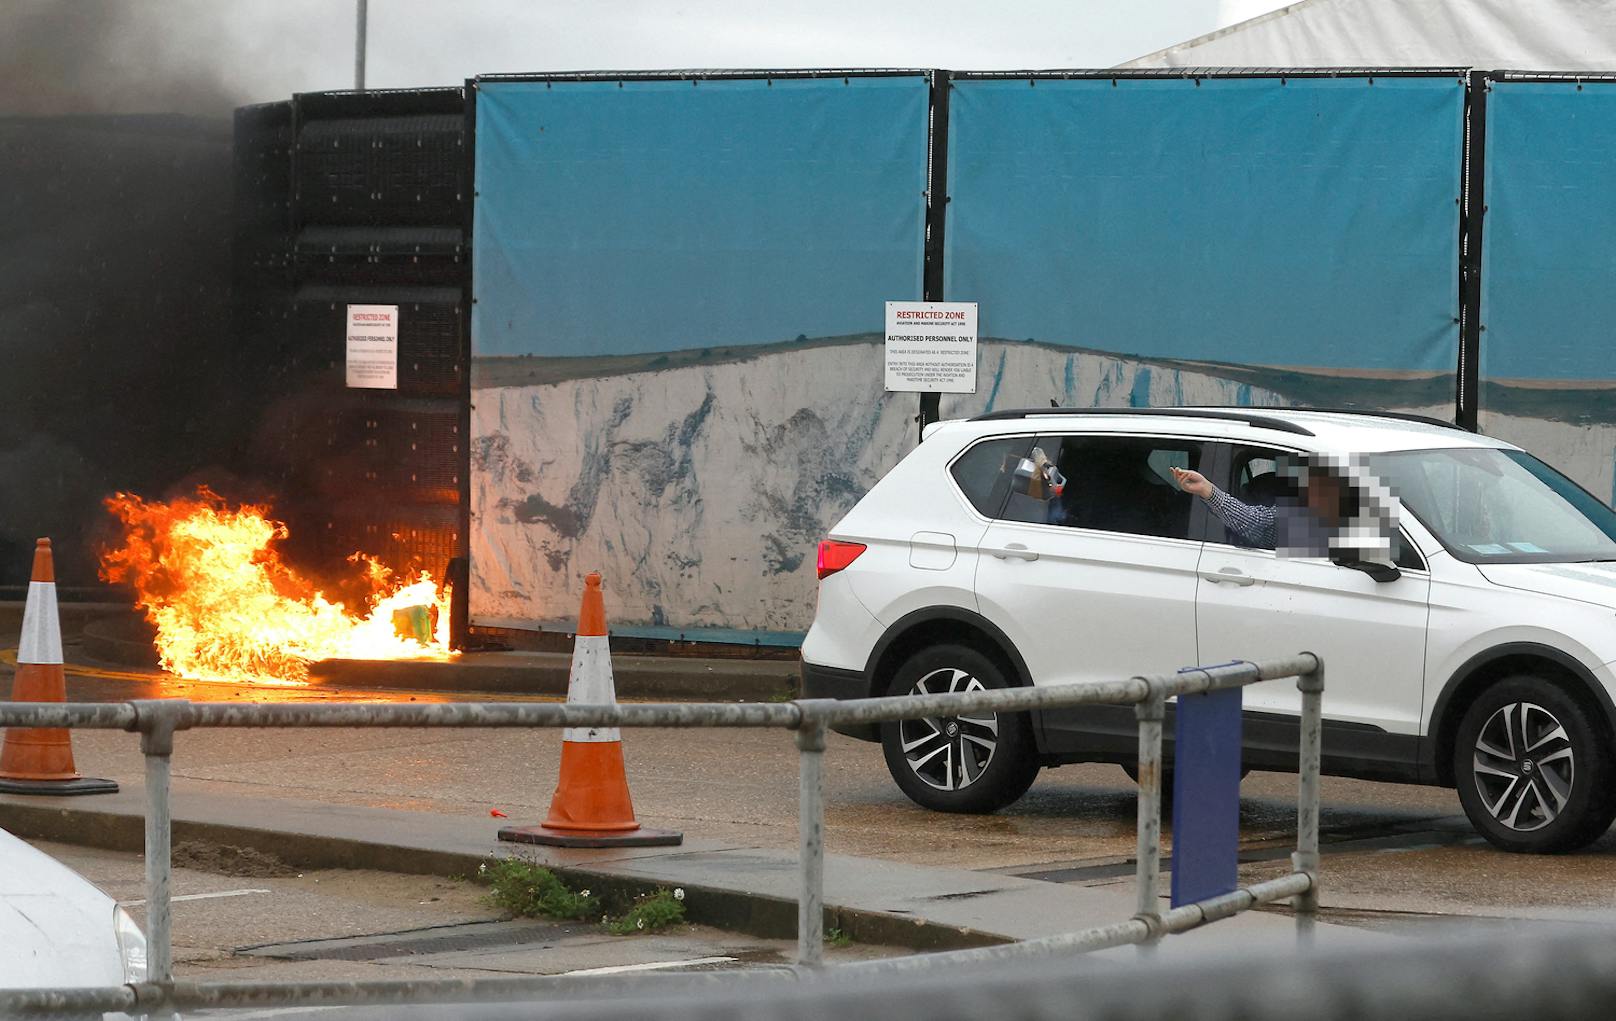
<point>1533,772</point>
<point>978,762</point>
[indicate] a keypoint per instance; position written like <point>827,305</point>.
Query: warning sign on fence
<point>931,347</point>
<point>373,347</point>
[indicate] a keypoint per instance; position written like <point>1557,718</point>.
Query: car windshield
<point>1499,506</point>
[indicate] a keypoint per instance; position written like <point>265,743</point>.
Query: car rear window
<point>985,470</point>
<point>1109,483</point>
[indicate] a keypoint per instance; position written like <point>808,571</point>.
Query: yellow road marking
<point>315,691</point>
<point>9,658</point>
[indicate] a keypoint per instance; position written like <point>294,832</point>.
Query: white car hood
<point>1588,583</point>
<point>56,928</point>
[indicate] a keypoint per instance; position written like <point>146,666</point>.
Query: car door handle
<point>1229,576</point>
<point>1015,551</point>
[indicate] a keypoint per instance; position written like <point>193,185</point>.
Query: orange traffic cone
<point>591,807</point>
<point>39,760</point>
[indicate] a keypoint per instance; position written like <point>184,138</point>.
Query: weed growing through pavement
<point>837,938</point>
<point>529,889</point>
<point>651,911</point>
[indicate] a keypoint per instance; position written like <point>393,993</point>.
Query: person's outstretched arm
<point>1251,523</point>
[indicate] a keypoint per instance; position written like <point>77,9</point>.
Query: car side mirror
<point>1382,571</point>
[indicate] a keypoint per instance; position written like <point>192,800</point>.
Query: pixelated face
<point>1352,513</point>
<point>1323,493</point>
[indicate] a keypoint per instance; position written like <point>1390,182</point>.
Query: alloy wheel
<point>949,752</point>
<point>1524,766</point>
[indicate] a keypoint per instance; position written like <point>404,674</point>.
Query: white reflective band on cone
<point>41,631</point>
<point>591,684</point>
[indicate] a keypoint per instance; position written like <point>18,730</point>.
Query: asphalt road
<point>1399,858</point>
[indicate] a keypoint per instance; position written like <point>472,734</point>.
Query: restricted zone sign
<point>373,347</point>
<point>931,347</point>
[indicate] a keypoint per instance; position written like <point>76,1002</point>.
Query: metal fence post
<point>1306,858</point>
<point>1150,714</point>
<point>811,835</point>
<point>157,720</point>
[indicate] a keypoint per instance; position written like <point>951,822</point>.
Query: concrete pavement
<point>250,918</point>
<point>1397,858</point>
<point>1391,852</point>
<point>738,888</point>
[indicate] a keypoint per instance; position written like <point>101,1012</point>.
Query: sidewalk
<point>741,888</point>
<point>418,802</point>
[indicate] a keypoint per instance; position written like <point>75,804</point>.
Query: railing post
<point>811,836</point>
<point>157,720</point>
<point>1306,858</point>
<point>1150,714</point>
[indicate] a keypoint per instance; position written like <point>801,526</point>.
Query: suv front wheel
<point>975,762</point>
<point>1533,771</point>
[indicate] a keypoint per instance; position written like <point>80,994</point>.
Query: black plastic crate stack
<point>262,202</point>
<point>261,281</point>
<point>378,200</point>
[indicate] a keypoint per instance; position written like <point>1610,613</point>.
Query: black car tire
<point>1533,768</point>
<point>948,765</point>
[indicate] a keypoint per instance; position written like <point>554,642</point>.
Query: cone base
<point>591,796</point>
<point>641,837</point>
<point>59,788</point>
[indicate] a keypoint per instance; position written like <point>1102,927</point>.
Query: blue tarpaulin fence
<point>1548,303</point>
<point>1547,364</point>
<point>626,217</point>
<point>679,279</point>
<point>1265,220</point>
<point>679,286</point>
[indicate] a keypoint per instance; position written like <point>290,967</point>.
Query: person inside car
<point>1310,527</point>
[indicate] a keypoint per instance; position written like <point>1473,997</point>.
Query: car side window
<point>1258,481</point>
<point>985,471</point>
<point>1108,483</point>
<point>1407,557</point>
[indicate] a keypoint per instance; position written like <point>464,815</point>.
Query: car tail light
<point>834,555</point>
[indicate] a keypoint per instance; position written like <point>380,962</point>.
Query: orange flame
<point>226,607</point>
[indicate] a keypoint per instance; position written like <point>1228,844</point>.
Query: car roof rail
<point>1401,416</point>
<point>1231,415</point>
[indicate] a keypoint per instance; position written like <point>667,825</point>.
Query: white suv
<point>1480,654</point>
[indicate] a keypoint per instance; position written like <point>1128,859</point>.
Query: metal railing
<point>159,720</point>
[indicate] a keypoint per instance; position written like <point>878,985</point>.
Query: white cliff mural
<point>699,492</point>
<point>1584,450</point>
<point>700,487</point>
<point>699,482</point>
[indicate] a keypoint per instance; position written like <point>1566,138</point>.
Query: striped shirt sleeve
<point>1254,525</point>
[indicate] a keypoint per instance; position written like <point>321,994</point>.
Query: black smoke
<point>118,368</point>
<point>77,57</point>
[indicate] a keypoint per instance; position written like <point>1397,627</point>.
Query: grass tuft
<point>653,911</point>
<point>533,891</point>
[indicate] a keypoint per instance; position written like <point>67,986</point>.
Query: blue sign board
<point>1206,795</point>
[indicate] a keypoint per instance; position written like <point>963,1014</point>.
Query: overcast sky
<point>199,55</point>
